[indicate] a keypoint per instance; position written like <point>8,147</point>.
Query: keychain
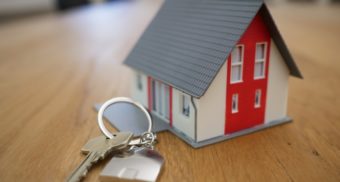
<point>135,157</point>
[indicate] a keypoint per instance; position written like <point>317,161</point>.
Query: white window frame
<point>182,108</point>
<point>237,64</point>
<point>236,99</point>
<point>261,61</point>
<point>258,93</point>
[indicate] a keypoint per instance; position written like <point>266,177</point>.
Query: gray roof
<point>189,40</point>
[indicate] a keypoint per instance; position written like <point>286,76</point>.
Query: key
<point>97,149</point>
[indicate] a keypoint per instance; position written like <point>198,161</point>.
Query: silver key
<point>98,148</point>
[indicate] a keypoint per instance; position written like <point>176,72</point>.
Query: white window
<point>234,103</point>
<point>185,105</point>
<point>258,98</point>
<point>139,81</point>
<point>260,56</point>
<point>160,99</point>
<point>236,64</point>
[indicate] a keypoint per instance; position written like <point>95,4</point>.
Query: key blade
<point>84,167</point>
<point>121,140</point>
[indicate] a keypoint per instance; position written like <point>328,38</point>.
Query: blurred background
<point>17,9</point>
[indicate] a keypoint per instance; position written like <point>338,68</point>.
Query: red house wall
<point>247,115</point>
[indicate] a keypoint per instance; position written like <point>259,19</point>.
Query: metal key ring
<point>110,102</point>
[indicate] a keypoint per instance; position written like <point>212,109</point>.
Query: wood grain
<point>53,68</point>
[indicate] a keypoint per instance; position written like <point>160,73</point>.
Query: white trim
<point>237,64</point>
<point>234,110</point>
<point>261,60</point>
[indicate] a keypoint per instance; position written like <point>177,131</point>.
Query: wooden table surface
<point>53,68</point>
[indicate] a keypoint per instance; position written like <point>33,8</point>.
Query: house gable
<point>280,43</point>
<point>246,114</point>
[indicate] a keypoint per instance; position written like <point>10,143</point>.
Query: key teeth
<point>99,153</point>
<point>87,168</point>
<point>85,172</point>
<point>96,160</point>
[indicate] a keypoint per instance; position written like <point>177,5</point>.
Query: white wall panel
<point>140,95</point>
<point>211,108</point>
<point>277,91</point>
<point>183,123</point>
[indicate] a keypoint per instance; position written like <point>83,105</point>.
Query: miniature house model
<point>213,69</point>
